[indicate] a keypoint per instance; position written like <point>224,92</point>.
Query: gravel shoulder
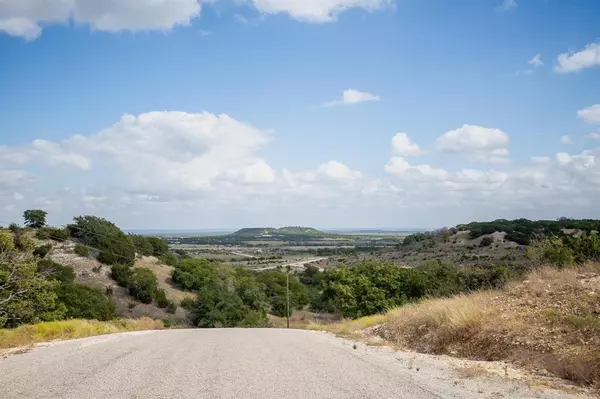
<point>238,363</point>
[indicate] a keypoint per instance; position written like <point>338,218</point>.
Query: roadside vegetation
<point>71,329</point>
<point>488,312</point>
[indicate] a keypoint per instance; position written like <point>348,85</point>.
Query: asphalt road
<point>239,364</point>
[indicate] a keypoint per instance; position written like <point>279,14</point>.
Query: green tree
<point>143,245</point>
<point>115,246</point>
<point>143,285</point>
<point>122,274</point>
<point>55,271</point>
<point>216,307</point>
<point>275,283</point>
<point>159,246</point>
<point>26,296</point>
<point>35,218</point>
<point>84,302</point>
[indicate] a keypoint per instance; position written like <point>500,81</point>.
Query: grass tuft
<point>71,329</point>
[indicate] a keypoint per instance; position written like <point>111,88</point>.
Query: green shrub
<point>82,250</point>
<point>26,296</point>
<point>122,274</point>
<point>114,245</point>
<point>15,228</point>
<point>170,259</point>
<point>486,241</point>
<point>143,285</point>
<point>143,245</point>
<point>55,271</point>
<point>24,243</point>
<point>86,303</point>
<point>159,246</point>
<point>216,307</point>
<point>52,233</point>
<point>42,250</point>
<point>187,303</point>
<point>7,242</point>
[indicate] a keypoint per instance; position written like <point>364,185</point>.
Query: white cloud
<point>576,61</point>
<point>566,139</point>
<point>191,170</point>
<point>591,114</point>
<point>399,167</point>
<point>593,136</point>
<point>403,145</point>
<point>338,171</point>
<point>317,11</point>
<point>481,144</point>
<point>45,152</point>
<point>18,197</point>
<point>536,61</point>
<point>240,18</point>
<point>507,5</point>
<point>353,96</point>
<point>25,18</point>
<point>540,160</point>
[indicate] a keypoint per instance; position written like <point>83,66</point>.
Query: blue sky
<point>236,113</point>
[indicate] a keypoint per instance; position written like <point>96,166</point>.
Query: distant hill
<point>268,232</point>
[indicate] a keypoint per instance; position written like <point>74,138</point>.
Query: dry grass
<point>471,371</point>
<point>550,321</point>
<point>71,329</point>
<point>301,320</point>
<point>348,327</point>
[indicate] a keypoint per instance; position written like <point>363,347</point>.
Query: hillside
<point>548,323</point>
<point>268,232</point>
<point>92,273</point>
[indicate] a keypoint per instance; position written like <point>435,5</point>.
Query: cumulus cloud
<point>576,61</point>
<point>540,160</point>
<point>507,5</point>
<point>566,139</point>
<point>399,167</point>
<point>178,169</point>
<point>593,136</point>
<point>480,144</point>
<point>591,114</point>
<point>403,145</point>
<point>317,11</point>
<point>353,96</point>
<point>536,61</point>
<point>26,18</point>
<point>338,171</point>
<point>42,151</point>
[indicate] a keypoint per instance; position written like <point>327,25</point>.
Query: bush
<point>163,301</point>
<point>170,259</point>
<point>114,245</point>
<point>486,241</point>
<point>143,285</point>
<point>82,250</point>
<point>52,233</point>
<point>143,246</point>
<point>7,242</point>
<point>42,250</point>
<point>122,274</point>
<point>187,303</point>
<point>55,271</point>
<point>159,246</point>
<point>86,303</point>
<point>216,307</point>
<point>26,296</point>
